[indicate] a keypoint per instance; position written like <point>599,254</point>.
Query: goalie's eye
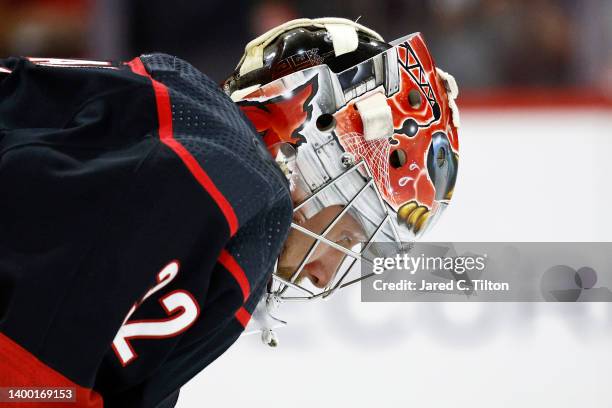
<point>346,241</point>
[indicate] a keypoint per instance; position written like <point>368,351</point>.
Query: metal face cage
<point>377,223</point>
<point>375,144</point>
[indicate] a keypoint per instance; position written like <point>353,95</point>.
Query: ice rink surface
<point>524,175</point>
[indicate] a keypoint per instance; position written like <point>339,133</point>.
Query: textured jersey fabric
<point>140,218</point>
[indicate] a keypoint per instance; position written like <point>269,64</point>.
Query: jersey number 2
<point>180,306</point>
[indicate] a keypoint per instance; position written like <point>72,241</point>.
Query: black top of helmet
<point>301,48</point>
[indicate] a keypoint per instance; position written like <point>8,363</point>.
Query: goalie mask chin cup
<point>354,122</point>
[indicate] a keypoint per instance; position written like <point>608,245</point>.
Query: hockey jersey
<point>140,218</point>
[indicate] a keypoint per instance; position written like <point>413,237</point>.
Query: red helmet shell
<point>422,96</point>
<point>414,168</point>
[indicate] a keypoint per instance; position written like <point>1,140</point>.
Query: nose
<point>318,274</point>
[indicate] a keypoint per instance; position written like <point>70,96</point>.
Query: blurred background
<point>536,87</point>
<point>488,43</point>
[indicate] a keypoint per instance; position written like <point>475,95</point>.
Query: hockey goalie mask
<point>366,133</point>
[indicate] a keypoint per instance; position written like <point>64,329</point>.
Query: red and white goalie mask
<point>366,133</point>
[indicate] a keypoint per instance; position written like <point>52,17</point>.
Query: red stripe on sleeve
<point>166,135</point>
<point>243,316</point>
<point>19,368</point>
<point>227,260</point>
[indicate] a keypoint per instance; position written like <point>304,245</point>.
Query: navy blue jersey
<point>140,218</point>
